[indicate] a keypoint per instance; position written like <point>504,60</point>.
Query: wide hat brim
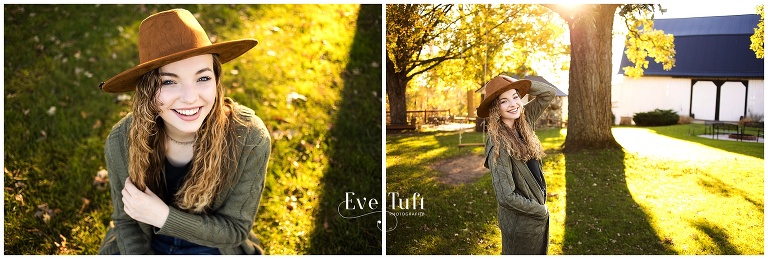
<point>227,51</point>
<point>497,86</point>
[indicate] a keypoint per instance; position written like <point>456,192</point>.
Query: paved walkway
<point>644,142</point>
<point>725,137</point>
<point>448,126</point>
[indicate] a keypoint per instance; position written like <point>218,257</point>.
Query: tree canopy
<point>456,48</point>
<point>644,41</point>
<point>758,38</point>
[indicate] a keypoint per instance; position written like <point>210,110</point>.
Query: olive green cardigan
<point>227,227</point>
<point>523,217</point>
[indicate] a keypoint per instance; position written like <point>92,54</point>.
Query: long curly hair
<point>212,161</point>
<point>519,140</point>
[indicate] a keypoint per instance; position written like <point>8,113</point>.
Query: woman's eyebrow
<point>168,74</point>
<point>203,70</point>
<point>175,75</point>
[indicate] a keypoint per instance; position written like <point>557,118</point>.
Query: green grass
<point>55,56</point>
<point>664,193</point>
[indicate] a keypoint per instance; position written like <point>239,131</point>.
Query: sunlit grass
<point>699,199</point>
<point>664,193</point>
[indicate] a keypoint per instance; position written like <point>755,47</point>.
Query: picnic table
<point>715,128</point>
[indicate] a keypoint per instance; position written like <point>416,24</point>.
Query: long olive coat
<point>523,215</point>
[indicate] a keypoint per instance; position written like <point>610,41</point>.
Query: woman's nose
<point>188,94</point>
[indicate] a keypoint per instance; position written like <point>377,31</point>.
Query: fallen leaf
<point>85,204</point>
<point>63,249</point>
<point>20,199</point>
<point>101,180</point>
<point>51,111</point>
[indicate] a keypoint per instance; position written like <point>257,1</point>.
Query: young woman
<point>187,165</point>
<point>513,154</point>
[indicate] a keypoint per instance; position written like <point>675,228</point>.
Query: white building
<point>716,77</point>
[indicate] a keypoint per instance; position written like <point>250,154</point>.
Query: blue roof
<point>711,47</point>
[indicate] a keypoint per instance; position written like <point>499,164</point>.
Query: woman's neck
<point>179,136</point>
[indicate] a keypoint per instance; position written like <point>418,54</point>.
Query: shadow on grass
<point>719,243</point>
<point>454,220</point>
<point>601,215</point>
<point>717,186</point>
<point>355,148</point>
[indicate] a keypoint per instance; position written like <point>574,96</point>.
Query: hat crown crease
<point>168,33</point>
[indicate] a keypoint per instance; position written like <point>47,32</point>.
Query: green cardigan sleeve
<point>544,95</point>
<point>231,221</point>
<point>129,235</point>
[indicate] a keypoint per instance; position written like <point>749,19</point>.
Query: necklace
<point>181,143</point>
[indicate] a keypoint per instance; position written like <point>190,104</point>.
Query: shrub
<point>656,117</point>
<point>754,117</point>
<point>685,120</point>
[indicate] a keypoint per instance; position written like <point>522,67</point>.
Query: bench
<point>754,126</point>
<point>471,144</point>
<point>719,127</point>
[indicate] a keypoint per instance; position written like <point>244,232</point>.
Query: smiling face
<point>510,106</point>
<point>187,94</point>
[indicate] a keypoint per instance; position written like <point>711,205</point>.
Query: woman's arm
<point>544,95</point>
<point>504,186</point>
<point>231,224</point>
<point>130,238</point>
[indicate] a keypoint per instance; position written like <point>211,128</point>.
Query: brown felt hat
<point>497,86</point>
<point>170,36</point>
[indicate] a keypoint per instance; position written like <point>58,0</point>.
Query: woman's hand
<point>144,206</point>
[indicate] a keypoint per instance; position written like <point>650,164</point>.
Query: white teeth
<point>189,112</point>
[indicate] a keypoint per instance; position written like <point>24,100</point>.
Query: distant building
<point>716,75</point>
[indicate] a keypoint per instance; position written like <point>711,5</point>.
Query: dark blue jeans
<point>168,245</point>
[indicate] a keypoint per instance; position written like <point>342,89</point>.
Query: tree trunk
<point>396,84</point>
<point>589,97</point>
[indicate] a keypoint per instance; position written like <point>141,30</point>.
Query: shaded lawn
<point>56,118</point>
<point>654,197</point>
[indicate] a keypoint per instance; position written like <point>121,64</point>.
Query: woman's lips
<point>188,114</point>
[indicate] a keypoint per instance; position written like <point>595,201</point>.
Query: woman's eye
<point>167,82</point>
<point>203,79</point>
